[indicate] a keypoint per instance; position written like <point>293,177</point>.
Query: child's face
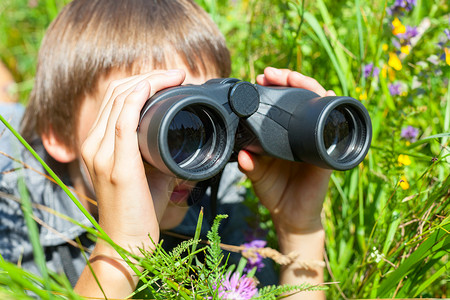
<point>177,207</point>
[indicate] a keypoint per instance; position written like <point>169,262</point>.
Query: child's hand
<point>293,192</point>
<point>128,208</point>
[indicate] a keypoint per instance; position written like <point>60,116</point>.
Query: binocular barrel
<point>192,131</point>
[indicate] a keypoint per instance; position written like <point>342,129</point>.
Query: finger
<point>261,80</point>
<point>128,119</point>
<point>114,89</point>
<point>99,147</point>
<point>330,93</point>
<point>91,145</point>
<point>274,76</point>
<point>298,80</point>
<point>116,100</point>
<point>285,77</point>
<point>104,154</point>
<point>251,165</point>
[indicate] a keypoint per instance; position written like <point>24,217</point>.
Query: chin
<point>173,216</point>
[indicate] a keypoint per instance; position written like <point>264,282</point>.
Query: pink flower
<point>237,288</point>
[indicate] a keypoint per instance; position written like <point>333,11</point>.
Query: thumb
<point>250,165</point>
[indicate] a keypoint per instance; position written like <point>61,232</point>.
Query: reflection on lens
<point>339,133</point>
<point>195,137</point>
<point>186,136</point>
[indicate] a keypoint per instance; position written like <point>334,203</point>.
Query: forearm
<point>310,246</point>
<point>117,280</point>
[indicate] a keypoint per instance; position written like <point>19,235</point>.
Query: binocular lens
<point>186,136</point>
<point>341,133</point>
<point>192,137</point>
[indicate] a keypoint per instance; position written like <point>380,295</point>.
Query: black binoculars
<point>192,131</point>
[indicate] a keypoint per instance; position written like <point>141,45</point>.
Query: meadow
<point>387,220</point>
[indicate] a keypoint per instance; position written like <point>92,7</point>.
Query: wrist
<point>302,227</point>
<point>303,241</point>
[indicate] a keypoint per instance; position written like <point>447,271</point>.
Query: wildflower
<point>395,89</point>
<point>405,49</point>
<point>363,96</point>
<point>376,255</point>
<point>404,183</point>
<point>394,61</point>
<point>385,47</point>
<point>447,33</point>
<point>447,55</point>
<point>401,6</point>
<point>237,287</point>
<point>398,27</point>
<point>433,59</point>
<point>369,69</point>
<point>409,33</point>
<point>384,71</point>
<point>404,160</point>
<point>410,133</point>
<point>254,258</point>
<point>404,39</point>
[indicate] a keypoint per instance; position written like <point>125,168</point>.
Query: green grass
<point>384,239</point>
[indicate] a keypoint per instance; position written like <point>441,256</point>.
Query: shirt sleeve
<point>9,145</point>
<point>14,242</point>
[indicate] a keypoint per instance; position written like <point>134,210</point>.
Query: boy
<point>99,62</point>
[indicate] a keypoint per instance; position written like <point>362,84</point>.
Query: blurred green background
<point>387,221</point>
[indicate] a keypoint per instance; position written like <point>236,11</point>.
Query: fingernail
<point>275,71</point>
<point>173,72</point>
<point>140,86</point>
<point>299,75</point>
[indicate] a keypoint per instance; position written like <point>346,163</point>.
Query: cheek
<point>88,114</point>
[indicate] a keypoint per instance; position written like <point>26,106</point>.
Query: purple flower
<point>401,6</point>
<point>254,258</point>
<point>370,70</point>
<point>408,35</point>
<point>376,72</point>
<point>410,133</point>
<point>395,89</point>
<point>237,287</point>
<point>447,33</point>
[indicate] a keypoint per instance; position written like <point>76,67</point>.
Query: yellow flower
<point>404,183</point>
<point>394,61</point>
<point>404,160</point>
<point>398,27</point>
<point>363,96</point>
<point>405,49</point>
<point>447,55</point>
<point>391,74</point>
<point>385,47</point>
<point>384,71</point>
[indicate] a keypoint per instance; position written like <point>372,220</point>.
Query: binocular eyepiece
<point>192,131</point>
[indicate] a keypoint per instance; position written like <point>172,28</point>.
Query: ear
<point>57,149</point>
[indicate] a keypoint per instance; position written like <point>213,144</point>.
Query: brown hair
<point>90,38</point>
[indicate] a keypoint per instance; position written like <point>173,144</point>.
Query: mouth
<point>180,194</point>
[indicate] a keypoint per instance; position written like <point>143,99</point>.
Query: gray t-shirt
<point>55,232</point>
